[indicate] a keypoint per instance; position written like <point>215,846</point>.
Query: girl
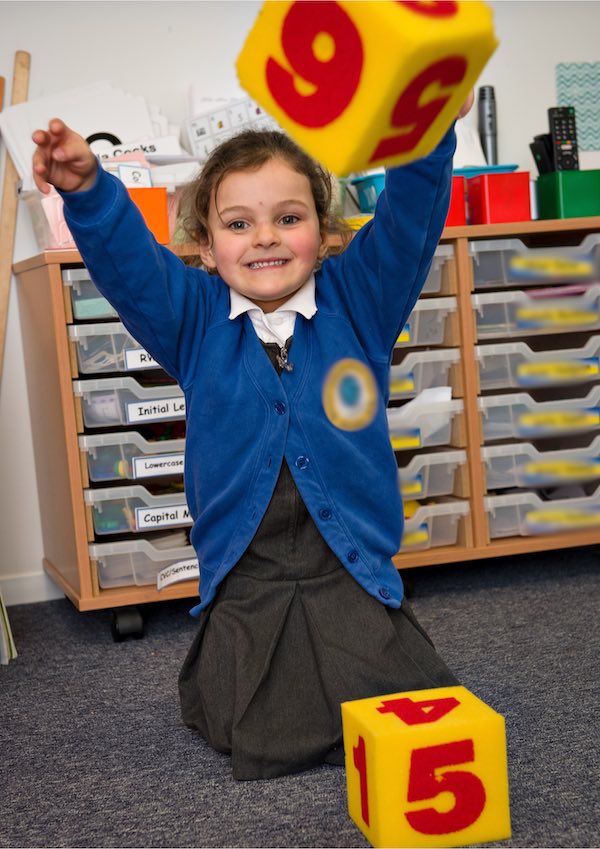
<point>283,355</point>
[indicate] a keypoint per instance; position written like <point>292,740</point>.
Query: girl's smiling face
<point>265,235</point>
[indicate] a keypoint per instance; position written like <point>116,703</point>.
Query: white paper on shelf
<point>468,146</point>
<point>95,108</point>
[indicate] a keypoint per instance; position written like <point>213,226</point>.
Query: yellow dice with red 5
<point>426,768</point>
<point>359,83</point>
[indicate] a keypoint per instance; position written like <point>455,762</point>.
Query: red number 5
<point>334,77</point>
<point>411,117</point>
<point>423,783</point>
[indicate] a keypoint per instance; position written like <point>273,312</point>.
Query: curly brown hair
<point>248,151</point>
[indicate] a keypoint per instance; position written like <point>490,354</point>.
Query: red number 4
<point>425,783</point>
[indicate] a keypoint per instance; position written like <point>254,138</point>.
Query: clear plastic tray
<point>427,426</point>
<point>428,323</point>
<point>433,525</point>
<point>109,348</point>
<point>128,456</point>
<point>526,514</point>
<point>517,416</point>
<point>118,510</point>
<point>515,364</point>
<point>501,262</point>
<point>429,475</point>
<point>136,562</point>
<point>523,465</point>
<point>437,280</point>
<point>517,313</point>
<point>86,300</point>
<point>421,370</point>
<point>113,401</point>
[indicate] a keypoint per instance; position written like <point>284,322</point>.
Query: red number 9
<point>335,78</point>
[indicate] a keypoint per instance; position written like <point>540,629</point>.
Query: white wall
<point>156,49</point>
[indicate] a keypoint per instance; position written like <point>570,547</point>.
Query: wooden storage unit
<point>46,312</point>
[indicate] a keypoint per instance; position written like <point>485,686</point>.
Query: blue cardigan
<point>242,419</point>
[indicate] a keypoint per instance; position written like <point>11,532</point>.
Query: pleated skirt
<point>289,637</point>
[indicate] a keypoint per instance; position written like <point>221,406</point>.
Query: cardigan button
<point>279,407</point>
<point>384,592</point>
<point>325,513</point>
<point>301,462</point>
<point>352,555</point>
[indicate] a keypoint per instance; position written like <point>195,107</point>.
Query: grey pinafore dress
<point>289,636</point>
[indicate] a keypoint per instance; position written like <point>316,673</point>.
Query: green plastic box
<point>568,194</point>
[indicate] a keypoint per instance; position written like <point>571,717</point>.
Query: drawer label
<point>161,517</point>
<point>402,385</point>
<point>137,358</point>
<point>183,570</point>
<point>560,420</point>
<point>407,439</point>
<point>558,371</point>
<point>158,464</point>
<point>404,336</point>
<point>551,266</point>
<point>165,408</point>
<point>547,521</point>
<point>555,317</point>
<point>413,487</point>
<point>420,536</point>
<point>561,470</point>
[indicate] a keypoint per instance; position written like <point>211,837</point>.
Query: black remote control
<point>564,138</point>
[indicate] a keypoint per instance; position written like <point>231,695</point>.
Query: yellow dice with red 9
<point>426,768</point>
<point>359,83</point>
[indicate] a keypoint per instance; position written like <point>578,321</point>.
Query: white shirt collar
<point>303,301</point>
<point>277,326</point>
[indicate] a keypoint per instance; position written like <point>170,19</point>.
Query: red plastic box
<point>457,213</point>
<point>495,198</point>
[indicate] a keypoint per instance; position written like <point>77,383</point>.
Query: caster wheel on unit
<point>126,622</point>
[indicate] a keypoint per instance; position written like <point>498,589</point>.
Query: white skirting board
<point>28,588</point>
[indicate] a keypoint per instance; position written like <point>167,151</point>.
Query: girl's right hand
<point>63,159</point>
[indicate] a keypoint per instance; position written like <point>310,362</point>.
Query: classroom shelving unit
<point>443,471</point>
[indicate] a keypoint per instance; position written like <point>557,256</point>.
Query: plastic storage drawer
<point>429,323</point>
<point>136,562</point>
<point>515,364</point>
<point>426,425</point>
<point>502,262</point>
<point>421,370</point>
<point>526,514</point>
<point>429,475</point>
<point>518,416</point>
<point>433,525</point>
<point>118,456</point>
<point>108,347</point>
<point>518,313</point>
<point>133,509</point>
<point>86,300</point>
<point>437,280</point>
<point>113,401</point>
<point>525,466</point>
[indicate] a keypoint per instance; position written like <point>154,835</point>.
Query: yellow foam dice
<point>359,83</point>
<point>426,768</point>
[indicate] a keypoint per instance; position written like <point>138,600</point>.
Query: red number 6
<point>335,79</point>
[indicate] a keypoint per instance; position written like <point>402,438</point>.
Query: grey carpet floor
<point>93,752</point>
